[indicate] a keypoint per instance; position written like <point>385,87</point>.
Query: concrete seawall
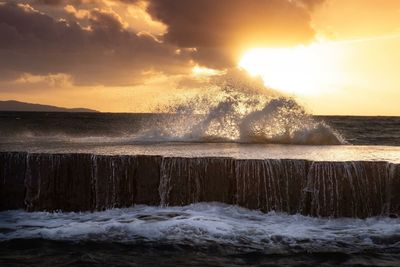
<point>85,182</point>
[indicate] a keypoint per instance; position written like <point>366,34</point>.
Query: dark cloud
<point>50,2</point>
<point>78,2</point>
<point>214,57</point>
<point>60,2</point>
<point>106,53</point>
<point>311,3</point>
<point>99,48</point>
<point>220,27</point>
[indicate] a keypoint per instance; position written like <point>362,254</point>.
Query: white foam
<point>205,224</point>
<point>235,108</point>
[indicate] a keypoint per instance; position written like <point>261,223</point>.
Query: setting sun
<point>299,70</point>
<point>199,132</point>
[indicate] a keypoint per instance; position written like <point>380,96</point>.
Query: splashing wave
<point>236,110</point>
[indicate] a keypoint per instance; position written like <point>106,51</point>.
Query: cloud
<point>81,2</point>
<point>103,53</point>
<point>62,2</point>
<point>98,42</point>
<point>310,4</point>
<point>79,14</point>
<point>221,29</point>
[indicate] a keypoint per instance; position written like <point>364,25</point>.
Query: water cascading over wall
<point>86,182</point>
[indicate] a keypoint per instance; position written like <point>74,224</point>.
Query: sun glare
<point>300,70</point>
<point>203,71</point>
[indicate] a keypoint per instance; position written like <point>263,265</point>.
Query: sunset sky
<point>336,57</point>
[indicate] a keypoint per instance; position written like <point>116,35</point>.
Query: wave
<point>229,108</point>
<point>206,225</point>
<point>236,109</point>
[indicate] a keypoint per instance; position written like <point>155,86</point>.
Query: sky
<point>336,57</point>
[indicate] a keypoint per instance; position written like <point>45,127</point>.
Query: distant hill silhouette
<point>12,105</point>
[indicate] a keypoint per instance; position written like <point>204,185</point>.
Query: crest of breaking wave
<point>236,108</point>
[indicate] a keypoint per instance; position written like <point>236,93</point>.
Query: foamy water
<point>237,112</point>
<point>206,224</point>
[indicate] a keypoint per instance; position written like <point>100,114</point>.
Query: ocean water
<point>361,138</point>
<point>136,128</point>
<point>202,234</point>
<point>367,130</point>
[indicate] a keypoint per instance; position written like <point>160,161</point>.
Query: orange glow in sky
<point>336,57</point>
<point>301,70</point>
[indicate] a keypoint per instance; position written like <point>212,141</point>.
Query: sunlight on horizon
<point>301,70</point>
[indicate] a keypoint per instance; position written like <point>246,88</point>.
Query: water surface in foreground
<point>205,234</point>
<point>197,235</point>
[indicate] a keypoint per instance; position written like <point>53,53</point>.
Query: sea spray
<point>236,108</point>
<point>226,108</point>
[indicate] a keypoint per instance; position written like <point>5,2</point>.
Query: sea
<point>199,234</point>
